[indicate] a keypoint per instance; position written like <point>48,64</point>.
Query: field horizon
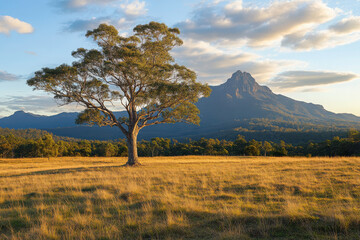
<point>188,197</point>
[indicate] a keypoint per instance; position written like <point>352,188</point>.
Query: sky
<point>308,50</point>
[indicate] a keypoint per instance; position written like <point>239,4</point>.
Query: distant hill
<point>23,120</point>
<point>238,106</point>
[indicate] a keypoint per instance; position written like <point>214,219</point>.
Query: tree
<point>280,149</point>
<point>5,147</point>
<point>239,145</point>
<point>109,149</point>
<point>47,146</point>
<point>64,148</point>
<point>84,148</point>
<point>138,71</point>
<point>253,148</point>
<point>266,147</point>
<point>354,135</point>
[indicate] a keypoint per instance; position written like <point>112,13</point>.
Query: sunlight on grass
<point>180,198</point>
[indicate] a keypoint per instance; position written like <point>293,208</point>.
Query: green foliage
<point>106,149</point>
<point>23,133</point>
<point>138,71</point>
<point>239,145</point>
<point>280,149</point>
<point>291,131</point>
<point>84,148</point>
<point>48,146</point>
<point>266,147</point>
<point>6,147</point>
<point>253,148</point>
<point>354,135</point>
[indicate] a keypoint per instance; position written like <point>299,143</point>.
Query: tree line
<point>46,145</point>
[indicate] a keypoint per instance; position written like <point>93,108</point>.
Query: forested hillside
<point>36,143</point>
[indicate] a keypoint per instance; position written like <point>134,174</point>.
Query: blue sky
<point>304,49</point>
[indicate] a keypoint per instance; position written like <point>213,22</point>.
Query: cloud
<point>84,25</point>
<point>73,5</point>
<point>235,6</point>
<point>42,104</point>
<point>134,9</point>
<point>305,90</point>
<point>31,53</point>
<point>347,25</point>
<point>300,25</point>
<point>5,76</point>
<point>298,79</point>
<point>343,32</point>
<point>8,24</point>
<point>258,27</point>
<point>213,65</point>
<point>36,104</point>
<point>123,17</point>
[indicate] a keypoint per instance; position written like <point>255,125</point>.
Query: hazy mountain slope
<point>22,120</point>
<point>229,106</point>
<point>241,97</point>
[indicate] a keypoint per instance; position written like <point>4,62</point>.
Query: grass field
<point>180,198</point>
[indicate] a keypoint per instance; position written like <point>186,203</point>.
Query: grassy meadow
<point>180,198</point>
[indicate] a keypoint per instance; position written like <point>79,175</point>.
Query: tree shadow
<point>65,170</point>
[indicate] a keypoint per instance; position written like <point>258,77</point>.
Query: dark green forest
<point>38,143</point>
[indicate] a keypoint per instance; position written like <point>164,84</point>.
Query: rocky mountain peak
<point>242,76</point>
<point>19,112</point>
<point>242,83</point>
<point>22,114</point>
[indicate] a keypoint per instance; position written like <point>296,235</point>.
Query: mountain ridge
<point>237,100</point>
<point>241,91</point>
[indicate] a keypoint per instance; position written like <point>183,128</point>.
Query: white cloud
<point>31,53</point>
<point>8,24</point>
<point>36,104</point>
<point>233,7</point>
<point>258,26</point>
<point>347,25</point>
<point>213,64</point>
<point>123,17</point>
<point>42,104</point>
<point>5,76</point>
<point>343,32</point>
<point>295,24</point>
<point>298,79</point>
<point>134,9</point>
<point>89,24</point>
<point>81,4</point>
<point>318,40</point>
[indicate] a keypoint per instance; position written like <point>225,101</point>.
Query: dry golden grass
<point>180,198</point>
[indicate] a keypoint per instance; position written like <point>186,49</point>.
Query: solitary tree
<point>137,71</point>
<point>266,147</point>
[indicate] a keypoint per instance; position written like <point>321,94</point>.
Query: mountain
<point>239,103</point>
<point>241,97</point>
<point>23,120</point>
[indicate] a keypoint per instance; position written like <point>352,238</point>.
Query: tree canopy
<point>136,71</point>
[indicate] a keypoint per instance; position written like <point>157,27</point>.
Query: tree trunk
<point>133,159</point>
